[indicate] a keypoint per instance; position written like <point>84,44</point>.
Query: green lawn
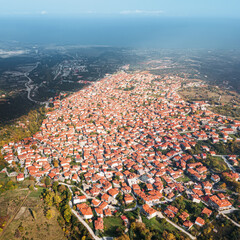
<point>217,164</point>
<point>131,215</point>
<point>184,179</point>
<point>110,226</point>
<point>160,225</point>
<point>156,223</point>
<point>152,223</point>
<point>36,193</point>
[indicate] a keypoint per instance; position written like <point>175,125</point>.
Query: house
<point>105,197</point>
<point>169,213</point>
<point>98,224</point>
<point>232,175</point>
<point>195,198</point>
<point>207,211</point>
<point>199,221</point>
<point>96,202</point>
<point>99,212</point>
<point>172,209</point>
<point>107,212</point>
<point>150,212</point>
<point>125,220</point>
<point>126,189</point>
<point>79,199</point>
<point>219,204</point>
<point>215,178</point>
<point>184,216</point>
<point>20,177</point>
<point>113,192</point>
<point>85,210</point>
<point>75,177</point>
<point>128,199</point>
<point>229,130</point>
<point>103,205</point>
<point>188,224</point>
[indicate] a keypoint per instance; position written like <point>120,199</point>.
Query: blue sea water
<point>138,32</point>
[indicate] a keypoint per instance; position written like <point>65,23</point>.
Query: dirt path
<point>13,217</point>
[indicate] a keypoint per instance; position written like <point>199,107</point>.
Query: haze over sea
<point>124,31</point>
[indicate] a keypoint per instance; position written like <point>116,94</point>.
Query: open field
<point>23,224</point>
<point>223,102</point>
<point>111,224</point>
<point>161,225</point>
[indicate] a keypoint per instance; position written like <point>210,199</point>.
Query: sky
<point>166,8</point>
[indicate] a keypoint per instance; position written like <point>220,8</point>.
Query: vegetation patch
<point>112,226</point>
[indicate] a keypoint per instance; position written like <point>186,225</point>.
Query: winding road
<point>85,225</point>
<point>30,87</point>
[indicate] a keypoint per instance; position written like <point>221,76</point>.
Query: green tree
<point>61,188</point>
<point>67,214</point>
<point>57,199</point>
<point>123,237</point>
<point>49,214</point>
<point>55,186</point>
<point>47,181</point>
<point>49,198</point>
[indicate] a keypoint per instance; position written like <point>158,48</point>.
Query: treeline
<point>141,230</point>
<point>21,128</point>
<point>231,183</point>
<point>227,110</point>
<point>6,183</point>
<point>229,148</point>
<point>59,196</point>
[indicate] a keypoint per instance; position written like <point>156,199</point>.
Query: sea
<point>124,31</point>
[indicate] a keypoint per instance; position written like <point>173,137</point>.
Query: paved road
<point>69,186</point>
<point>86,225</point>
<point>78,216</point>
<point>31,87</point>
<point>159,214</point>
<point>228,164</point>
<point>236,224</point>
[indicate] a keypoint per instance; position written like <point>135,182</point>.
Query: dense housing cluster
<point>130,135</point>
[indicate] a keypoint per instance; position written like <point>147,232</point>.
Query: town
<point>129,142</point>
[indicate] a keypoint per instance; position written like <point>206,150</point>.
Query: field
<point>183,179</point>
<point>23,213</point>
<point>217,164</point>
<point>111,224</point>
<point>160,225</point>
<point>131,215</point>
<point>222,101</point>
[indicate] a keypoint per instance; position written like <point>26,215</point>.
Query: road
<point>236,224</point>
<point>228,164</point>
<point>86,225</point>
<point>69,186</point>
<point>59,70</point>
<point>159,214</point>
<point>78,216</point>
<point>30,87</point>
